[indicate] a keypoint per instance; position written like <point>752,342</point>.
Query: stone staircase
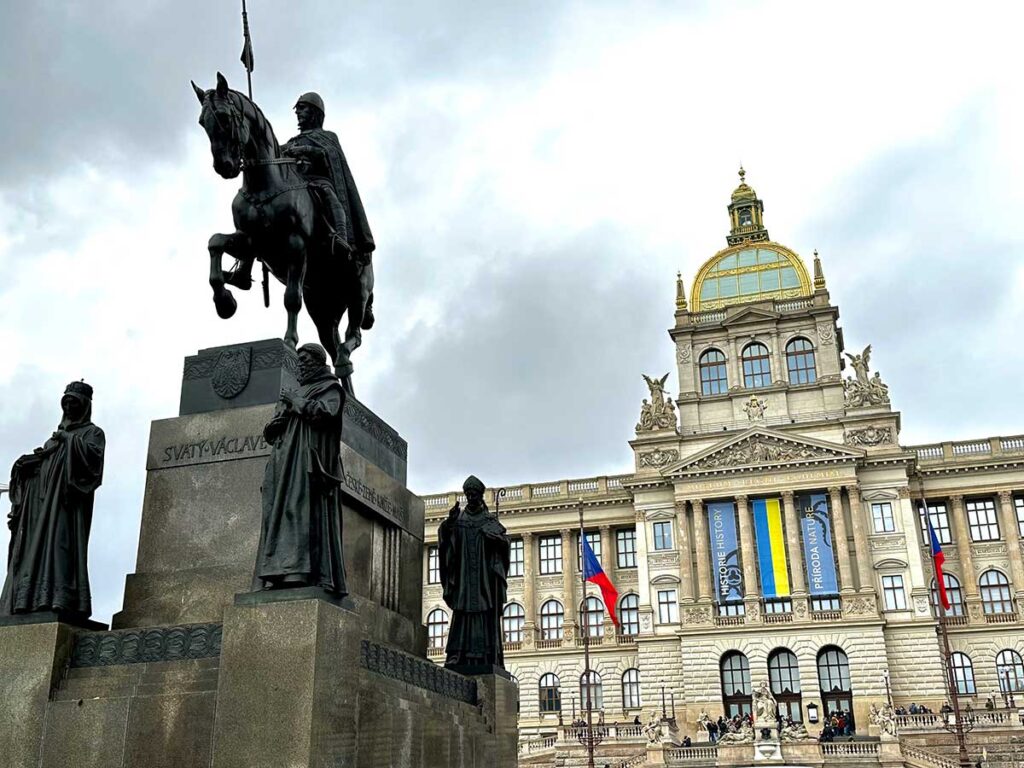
<point>1004,749</point>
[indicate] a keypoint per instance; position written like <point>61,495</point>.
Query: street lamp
<point>888,690</point>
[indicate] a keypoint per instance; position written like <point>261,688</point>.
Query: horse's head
<point>223,122</point>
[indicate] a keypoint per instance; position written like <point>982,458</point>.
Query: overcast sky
<point>535,173</point>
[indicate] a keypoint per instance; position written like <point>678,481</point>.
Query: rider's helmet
<point>313,99</point>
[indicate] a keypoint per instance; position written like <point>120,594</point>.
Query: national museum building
<point>770,529</point>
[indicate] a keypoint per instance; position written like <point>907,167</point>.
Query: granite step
<point>125,680</point>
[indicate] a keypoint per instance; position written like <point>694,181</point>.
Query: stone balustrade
<point>519,496</point>
<point>969,449</point>
<point>534,746</point>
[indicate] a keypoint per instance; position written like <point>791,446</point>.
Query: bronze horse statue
<point>277,222</point>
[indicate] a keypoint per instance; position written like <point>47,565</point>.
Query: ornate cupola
<point>746,213</point>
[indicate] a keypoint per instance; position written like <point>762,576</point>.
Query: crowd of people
<point>914,709</point>
<point>838,724</point>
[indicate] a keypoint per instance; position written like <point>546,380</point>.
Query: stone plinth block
<point>31,659</point>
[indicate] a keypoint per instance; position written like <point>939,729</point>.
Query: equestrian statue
<point>299,212</point>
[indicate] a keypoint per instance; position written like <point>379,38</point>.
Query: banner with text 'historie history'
<point>771,548</point>
<point>819,557</point>
<point>725,552</point>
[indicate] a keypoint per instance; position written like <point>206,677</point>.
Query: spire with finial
<point>680,293</point>
<point>819,276</point>
<point>746,214</point>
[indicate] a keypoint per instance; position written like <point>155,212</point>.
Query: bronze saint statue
<point>474,559</point>
<point>51,494</point>
<point>300,538</point>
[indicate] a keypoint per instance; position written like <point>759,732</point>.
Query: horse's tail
<point>368,318</point>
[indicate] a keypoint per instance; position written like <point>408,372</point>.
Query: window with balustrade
<point>826,604</point>
<point>981,517</point>
<point>736,688</point>
<point>777,605</point>
<point>515,558</point>
<point>963,673</point>
<point>592,612</point>
<point>552,618</point>
<point>939,518</point>
<point>995,592</point>
<point>784,679</point>
<point>594,540</point>
<point>590,684</point>
<point>631,689</point>
<point>894,596</point>
<point>662,531</point>
<point>757,368</point>
<point>714,380</point>
<point>513,618</point>
<point>437,628</point>
<point>550,689</point>
<point>882,517</point>
<point>800,362</point>
<point>1009,671</point>
<point>629,615</point>
<point>433,566</point>
<point>625,547</point>
<point>550,555</point>
<point>731,609</point>
<point>668,606</point>
<point>954,593</point>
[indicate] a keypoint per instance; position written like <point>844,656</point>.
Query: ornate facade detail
<point>356,414</point>
<point>658,458</point>
<point>412,670</point>
<point>545,583</point>
<point>697,614</point>
<point>800,607</point>
<point>826,335</point>
<point>890,543</point>
<point>627,577</point>
<point>903,492</point>
<point>753,610</point>
<point>137,646</point>
<point>231,372</point>
<point>974,611</point>
<point>758,449</point>
<point>664,560</point>
<point>868,436</point>
<point>684,354</point>
<point>659,413</point>
<point>921,604</point>
<point>860,606</point>
<point>861,392</point>
<point>989,549</point>
<point>755,408</point>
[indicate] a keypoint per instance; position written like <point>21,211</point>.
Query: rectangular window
<point>668,607</point>
<point>981,516</point>
<point>594,539</point>
<point>939,518</point>
<point>625,547</point>
<point>550,555</point>
<point>515,562</point>
<point>433,566</point>
<point>778,605</point>
<point>895,597</point>
<point>881,515</point>
<point>1018,504</point>
<point>824,604</point>
<point>662,535</point>
<point>731,609</point>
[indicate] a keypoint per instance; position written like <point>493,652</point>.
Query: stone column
<point>607,550</point>
<point>968,578</point>
<point>529,587</point>
<point>1008,522</point>
<point>911,518</point>
<point>745,531</point>
<point>643,575</point>
<point>685,554</point>
<point>860,539</point>
<point>779,372</point>
<point>703,564</point>
<point>842,542</point>
<point>794,552</point>
<point>569,581</point>
<point>733,367</point>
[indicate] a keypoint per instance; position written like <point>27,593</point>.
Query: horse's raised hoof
<point>226,304</point>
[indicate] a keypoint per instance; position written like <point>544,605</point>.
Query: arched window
<point>834,681</point>
<point>757,366</point>
<point>550,689</point>
<point>631,689</point>
<point>995,592</point>
<point>784,678</point>
<point>953,592</point>
<point>963,673</point>
<point>736,690</point>
<point>551,618</point>
<point>714,380</point>
<point>596,691</point>
<point>512,620</point>
<point>592,611</point>
<point>629,615</point>
<point>800,362</point>
<point>437,627</point>
<point>1009,671</point>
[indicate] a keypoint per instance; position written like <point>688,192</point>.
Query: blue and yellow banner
<point>819,555</point>
<point>725,552</point>
<point>771,548</point>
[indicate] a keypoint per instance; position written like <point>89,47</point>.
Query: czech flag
<point>593,573</point>
<point>939,558</point>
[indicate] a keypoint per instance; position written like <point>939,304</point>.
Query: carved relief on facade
<point>753,610</point>
<point>658,458</point>
<point>759,449</point>
<point>684,354</point>
<point>627,577</point>
<point>869,436</point>
<point>863,605</point>
<point>989,549</point>
<point>755,408</point>
<point>800,607</point>
<point>545,583</point>
<point>891,543</point>
<point>921,605</point>
<point>697,614</point>
<point>826,334</point>
<point>664,560</point>
<point>659,413</point>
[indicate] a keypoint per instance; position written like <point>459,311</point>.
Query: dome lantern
<point>746,214</point>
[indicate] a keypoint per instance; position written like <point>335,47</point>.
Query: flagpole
<point>586,645</point>
<point>247,48</point>
<point>940,609</point>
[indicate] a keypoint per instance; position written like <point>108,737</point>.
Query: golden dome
<point>749,272</point>
<point>744,191</point>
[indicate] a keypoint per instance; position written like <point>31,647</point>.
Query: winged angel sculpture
<point>659,413</point>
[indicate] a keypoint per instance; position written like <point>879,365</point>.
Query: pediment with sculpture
<point>761,448</point>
